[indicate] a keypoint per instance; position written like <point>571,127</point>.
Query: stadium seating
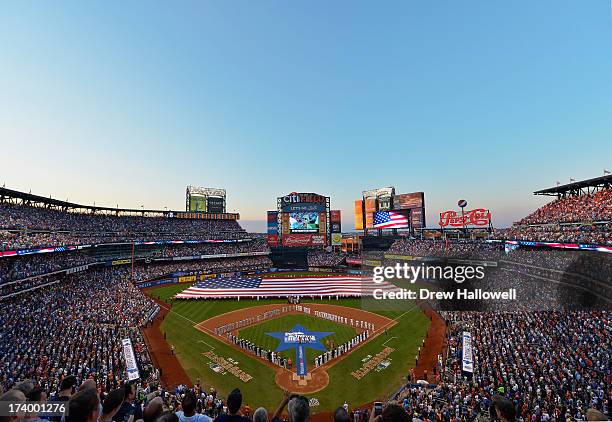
<point>27,227</point>
<point>574,219</point>
<point>572,209</point>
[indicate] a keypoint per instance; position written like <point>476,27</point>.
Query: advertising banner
<point>304,239</point>
<point>475,217</point>
<point>322,222</point>
<point>215,204</point>
<point>359,215</point>
<point>336,239</point>
<point>272,228</point>
<point>335,216</point>
<point>285,226</point>
<point>384,203</point>
<point>272,222</point>
<point>399,257</point>
<point>130,360</point>
<point>370,208</point>
<point>121,262</point>
<point>370,205</point>
<point>78,269</point>
<point>409,200</point>
<point>273,240</point>
<point>154,283</point>
<point>380,192</point>
<point>208,216</point>
<point>336,221</point>
<point>417,218</point>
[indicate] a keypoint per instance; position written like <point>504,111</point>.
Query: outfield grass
<point>257,333</point>
<point>405,337</point>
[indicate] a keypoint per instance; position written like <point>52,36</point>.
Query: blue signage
<point>304,207</point>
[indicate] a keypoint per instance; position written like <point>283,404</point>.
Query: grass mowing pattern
<point>405,337</point>
<point>257,334</point>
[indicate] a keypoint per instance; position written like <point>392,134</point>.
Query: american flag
<point>255,286</point>
<point>390,220</point>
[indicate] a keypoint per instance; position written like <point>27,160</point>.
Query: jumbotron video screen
<point>304,222</point>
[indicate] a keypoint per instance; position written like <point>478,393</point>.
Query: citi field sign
<point>296,198</point>
<point>302,202</point>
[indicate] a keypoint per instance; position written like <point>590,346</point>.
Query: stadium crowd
<point>321,258</point>
<point>144,272</point>
<point>574,219</point>
<point>74,327</point>
<point>255,245</point>
<point>452,249</point>
<point>26,266</point>
<point>551,365</point>
<point>572,209</point>
<point>27,227</point>
<point>34,265</point>
<point>597,234</point>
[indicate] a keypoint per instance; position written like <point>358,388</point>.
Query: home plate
<point>302,379</point>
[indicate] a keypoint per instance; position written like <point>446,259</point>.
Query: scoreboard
<point>304,219</point>
<point>384,203</point>
<point>210,200</point>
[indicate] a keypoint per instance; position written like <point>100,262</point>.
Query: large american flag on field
<point>390,220</point>
<point>256,286</point>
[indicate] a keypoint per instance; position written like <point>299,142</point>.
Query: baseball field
<point>207,357</point>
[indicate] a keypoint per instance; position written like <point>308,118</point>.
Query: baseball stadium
<point>322,211</point>
<point>169,301</point>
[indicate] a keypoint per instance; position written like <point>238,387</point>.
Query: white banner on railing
<point>130,360</point>
<point>467,364</point>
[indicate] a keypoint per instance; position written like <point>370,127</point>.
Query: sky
<point>127,103</point>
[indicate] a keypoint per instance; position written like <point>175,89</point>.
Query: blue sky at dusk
<point>128,102</point>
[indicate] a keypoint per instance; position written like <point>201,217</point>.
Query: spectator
<point>128,408</point>
<point>84,406</point>
<point>504,409</point>
<point>154,409</point>
<point>188,414</point>
<point>260,415</point>
<point>167,417</point>
<point>111,404</point>
<point>394,413</point>
<point>298,409</point>
<point>234,403</point>
<point>13,396</point>
<point>281,406</point>
<point>341,415</point>
<point>595,415</point>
